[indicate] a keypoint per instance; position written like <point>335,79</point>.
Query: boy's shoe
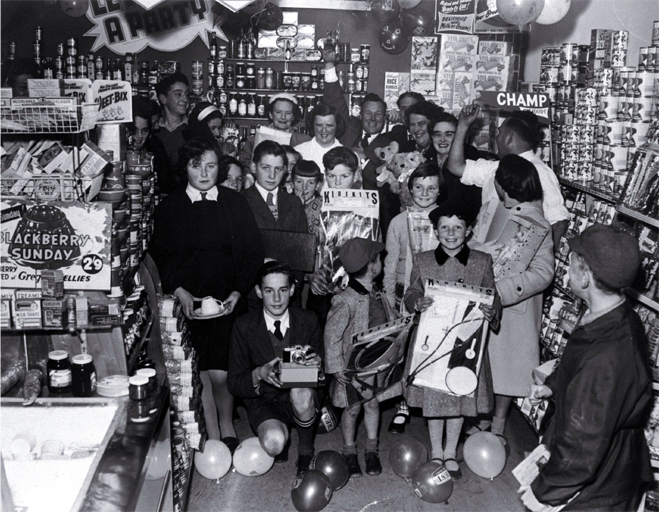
<point>231,442</point>
<point>373,466</point>
<point>353,465</point>
<point>398,427</point>
<point>303,462</point>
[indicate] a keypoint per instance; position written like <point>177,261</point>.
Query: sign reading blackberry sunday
<point>72,237</point>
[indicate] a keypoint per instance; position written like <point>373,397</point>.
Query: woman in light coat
<point>515,351</point>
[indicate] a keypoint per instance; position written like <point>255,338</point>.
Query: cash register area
<point>383,493</point>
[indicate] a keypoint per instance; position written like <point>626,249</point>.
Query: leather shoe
<point>303,462</point>
<point>354,469</point>
<point>373,466</point>
<point>398,428</point>
<point>231,442</point>
<point>456,474</point>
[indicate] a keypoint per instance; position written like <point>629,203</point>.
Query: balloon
<point>432,482</point>
<point>214,462</point>
<point>328,420</point>
<point>250,459</point>
<point>418,24</point>
<point>407,454</point>
<point>74,8</point>
<point>554,11</point>
<point>485,454</point>
<point>394,38</point>
<point>334,466</point>
<point>270,18</point>
<point>408,4</point>
<point>311,491</point>
<point>385,10</point>
<point>519,12</point>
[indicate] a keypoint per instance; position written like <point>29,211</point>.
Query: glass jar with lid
<point>59,372</point>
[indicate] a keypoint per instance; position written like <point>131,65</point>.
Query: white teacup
<point>209,306</point>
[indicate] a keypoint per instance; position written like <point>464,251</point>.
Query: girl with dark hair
<point>514,351</point>
<point>204,122</point>
<point>231,174</point>
<point>327,127</point>
<point>206,244</point>
<point>420,119</point>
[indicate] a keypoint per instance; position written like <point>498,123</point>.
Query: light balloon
<point>214,462</point>
<point>519,12</point>
<point>554,11</point>
<point>485,454</point>
<point>385,10</point>
<point>250,459</point>
<point>74,8</point>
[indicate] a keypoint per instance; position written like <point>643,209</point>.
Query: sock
<point>401,408</point>
<point>349,449</point>
<point>305,432</point>
<point>372,445</point>
<point>453,429</point>
<point>436,431</point>
<point>498,426</point>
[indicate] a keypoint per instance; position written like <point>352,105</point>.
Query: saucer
<point>200,316</point>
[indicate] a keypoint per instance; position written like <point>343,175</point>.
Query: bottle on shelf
<point>154,74</point>
<point>242,106</point>
<point>213,47</point>
<point>128,68</point>
<point>287,51</point>
<point>229,80</point>
<point>98,65</point>
<point>82,67</point>
<point>109,69</point>
<point>117,73</point>
<point>233,104</point>
<point>144,73</point>
<point>260,106</point>
<point>251,106</point>
<point>351,85</point>
<point>91,71</point>
<point>48,71</point>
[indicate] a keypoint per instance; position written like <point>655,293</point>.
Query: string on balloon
<point>423,364</point>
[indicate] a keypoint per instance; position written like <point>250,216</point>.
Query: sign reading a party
<point>72,237</point>
<point>125,27</point>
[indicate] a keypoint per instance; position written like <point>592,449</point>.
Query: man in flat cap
<point>602,388</point>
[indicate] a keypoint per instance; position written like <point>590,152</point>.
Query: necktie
<point>277,332</point>
<point>365,141</point>
<point>203,196</point>
<point>271,204</point>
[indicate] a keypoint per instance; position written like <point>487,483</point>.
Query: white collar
<point>195,195</point>
<point>270,322</point>
<point>264,193</point>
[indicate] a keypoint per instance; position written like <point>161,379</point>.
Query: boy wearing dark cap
<point>453,261</point>
<point>602,387</point>
<point>357,308</point>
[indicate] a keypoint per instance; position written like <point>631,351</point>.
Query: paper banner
<point>125,27</point>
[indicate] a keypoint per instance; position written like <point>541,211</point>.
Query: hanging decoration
<point>125,27</point>
<point>385,10</point>
<point>408,4</point>
<point>554,11</point>
<point>270,18</point>
<point>394,38</point>
<point>419,23</point>
<point>519,12</point>
<point>74,8</point>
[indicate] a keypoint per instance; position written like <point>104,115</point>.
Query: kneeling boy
<point>258,341</point>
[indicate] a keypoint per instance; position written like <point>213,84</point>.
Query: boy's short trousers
<point>276,408</point>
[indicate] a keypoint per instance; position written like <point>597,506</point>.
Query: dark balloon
<point>407,454</point>
<point>432,482</point>
<point>334,466</point>
<point>385,10</point>
<point>328,420</point>
<point>74,8</point>
<point>311,491</point>
<point>270,18</point>
<point>420,23</point>
<point>394,38</point>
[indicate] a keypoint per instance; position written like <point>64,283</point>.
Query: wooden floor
<point>384,493</point>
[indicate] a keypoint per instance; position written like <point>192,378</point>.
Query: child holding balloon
<point>453,261</point>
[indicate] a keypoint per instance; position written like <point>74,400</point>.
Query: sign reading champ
<point>125,27</point>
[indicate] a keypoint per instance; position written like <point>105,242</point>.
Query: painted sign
<point>114,99</point>
<point>125,27</point>
<point>455,16</point>
<point>511,101</point>
<point>72,237</point>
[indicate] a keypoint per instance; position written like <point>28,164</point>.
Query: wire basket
<point>48,119</point>
<point>52,187</point>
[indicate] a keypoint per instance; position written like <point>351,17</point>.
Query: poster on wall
<point>125,27</point>
<point>455,16</point>
<point>114,98</point>
<point>72,237</point>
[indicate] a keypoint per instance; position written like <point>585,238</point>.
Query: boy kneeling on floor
<point>258,342</point>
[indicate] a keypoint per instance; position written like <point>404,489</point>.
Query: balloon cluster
<point>249,459</point>
<point>313,489</point>
<point>400,25</point>
<point>521,12</point>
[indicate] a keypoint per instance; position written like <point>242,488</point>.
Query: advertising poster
<point>114,99</point>
<point>345,214</point>
<point>126,27</point>
<point>72,237</point>
<point>455,16</point>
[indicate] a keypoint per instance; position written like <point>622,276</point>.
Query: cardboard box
<point>458,43</point>
<point>52,283</point>
<point>298,376</point>
<point>451,62</point>
<point>496,48</point>
<point>5,313</point>
<point>27,313</point>
<point>45,88</point>
<point>493,65</point>
<point>54,313</point>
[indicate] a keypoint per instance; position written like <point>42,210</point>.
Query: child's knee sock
<point>305,432</point>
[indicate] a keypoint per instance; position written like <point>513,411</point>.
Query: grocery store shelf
<point>638,216</point>
<point>589,190</point>
<point>642,298</point>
